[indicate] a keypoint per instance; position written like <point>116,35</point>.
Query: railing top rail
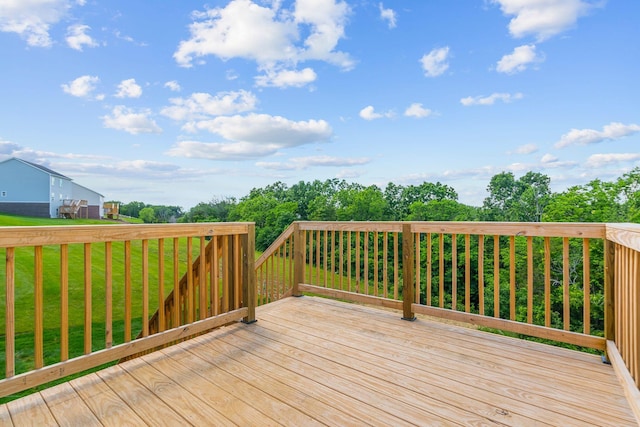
<point>381,226</point>
<point>625,234</point>
<point>55,235</point>
<point>543,229</point>
<point>533,229</point>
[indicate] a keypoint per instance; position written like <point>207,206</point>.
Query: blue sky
<point>180,102</point>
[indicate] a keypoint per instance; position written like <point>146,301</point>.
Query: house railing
<point>76,297</point>
<point>573,283</point>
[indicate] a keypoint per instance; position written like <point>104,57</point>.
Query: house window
<point>60,196</point>
<point>53,196</point>
<point>3,193</point>
<point>60,183</point>
<point>53,181</point>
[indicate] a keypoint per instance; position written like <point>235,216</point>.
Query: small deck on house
<point>314,361</point>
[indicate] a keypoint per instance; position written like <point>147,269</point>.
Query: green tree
<point>132,209</point>
<point>148,215</point>
<point>511,199</point>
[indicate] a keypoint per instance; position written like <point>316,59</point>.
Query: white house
<point>30,189</point>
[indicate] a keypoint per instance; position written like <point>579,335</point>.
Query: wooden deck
<point>312,361</point>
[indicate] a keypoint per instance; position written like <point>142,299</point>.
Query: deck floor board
<point>312,361</point>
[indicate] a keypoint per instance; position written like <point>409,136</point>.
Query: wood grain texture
<point>316,361</point>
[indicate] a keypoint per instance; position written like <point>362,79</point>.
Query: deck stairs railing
<point>78,297</point>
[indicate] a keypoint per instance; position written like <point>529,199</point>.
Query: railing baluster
<point>64,302</point>
<point>88,316</point>
<point>202,280</point>
<point>496,276</point>
<point>108,294</point>
<point>586,287</point>
<point>566,303</point>
<point>176,282</point>
<point>547,282</point>
<point>349,262</point>
<point>325,265</point>
<point>161,297</point>
<point>357,261</point>
<point>529,279</point>
<point>127,291</point>
<point>396,269</point>
<point>454,272</point>
<point>417,268</point>
<point>190,297</point>
<point>38,295</point>
<point>481,274</point>
<point>385,264</point>
<point>512,277</point>
<point>9,323</point>
<point>467,273</point>
<point>318,265</point>
<point>429,272</point>
<point>441,270</point>
<point>145,288</point>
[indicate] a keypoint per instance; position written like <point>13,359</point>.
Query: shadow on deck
<point>313,361</point>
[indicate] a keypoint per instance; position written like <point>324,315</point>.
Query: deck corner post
<point>408,276</point>
<point>298,259</point>
<point>609,290</point>
<point>249,273</point>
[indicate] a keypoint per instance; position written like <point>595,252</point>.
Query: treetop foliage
<point>525,199</point>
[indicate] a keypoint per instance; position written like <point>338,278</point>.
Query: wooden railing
<point>622,306</point>
<point>274,269</point>
<point>80,293</point>
<point>574,283</point>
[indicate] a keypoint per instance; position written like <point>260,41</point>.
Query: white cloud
<point>173,85</point>
<point>526,149</point>
<point>388,15</point>
<point>81,87</point>
<point>369,113</point>
<point>542,18</point>
<point>610,132</point>
<point>435,62</point>
<point>32,19</point>
<point>7,147</point>
<point>286,78</point>
<point>128,89</point>
<point>548,158</point>
<point>417,110</point>
<point>491,99</point>
<point>203,105</point>
<point>599,160</point>
<point>267,129</point>
<point>518,61</point>
<point>126,119</point>
<point>252,136</point>
<point>77,37</point>
<point>221,150</point>
<point>268,35</point>
<point>299,163</point>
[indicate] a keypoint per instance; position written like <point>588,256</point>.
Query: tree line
<point>526,199</point>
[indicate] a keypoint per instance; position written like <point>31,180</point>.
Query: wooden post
<point>298,259</point>
<point>609,290</point>
<point>249,273</point>
<point>408,276</point>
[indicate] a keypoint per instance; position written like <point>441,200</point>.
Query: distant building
<point>30,189</point>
